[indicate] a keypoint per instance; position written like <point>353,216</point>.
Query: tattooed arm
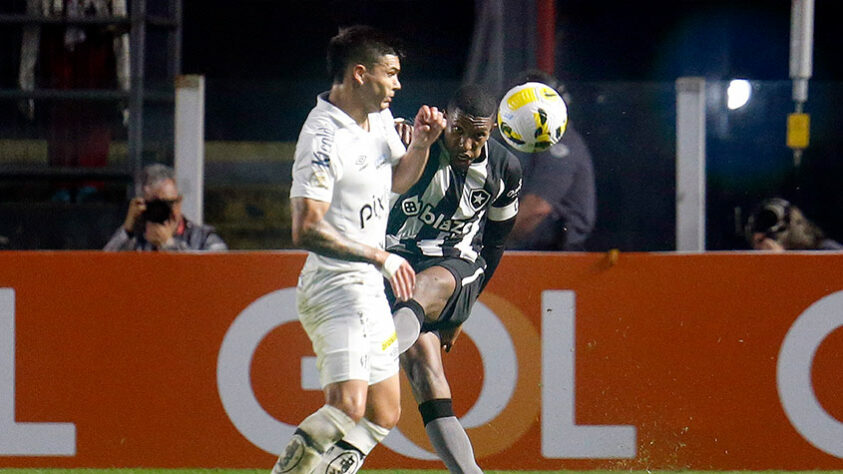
<point>311,232</point>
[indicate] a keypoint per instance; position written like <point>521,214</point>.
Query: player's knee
<point>352,404</point>
<point>354,409</point>
<point>433,287</point>
<point>388,418</point>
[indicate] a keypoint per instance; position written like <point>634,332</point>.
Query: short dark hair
<point>359,44</point>
<point>474,100</point>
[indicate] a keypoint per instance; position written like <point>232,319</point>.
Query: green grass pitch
<point>371,471</point>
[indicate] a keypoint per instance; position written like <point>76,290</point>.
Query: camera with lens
<point>158,211</point>
<point>771,218</point>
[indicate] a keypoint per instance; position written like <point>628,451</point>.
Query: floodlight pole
<point>801,55</point>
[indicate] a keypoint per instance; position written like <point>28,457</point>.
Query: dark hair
<point>359,44</point>
<point>474,100</point>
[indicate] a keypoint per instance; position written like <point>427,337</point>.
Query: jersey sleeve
<point>316,166</point>
<point>396,147</point>
<point>505,207</point>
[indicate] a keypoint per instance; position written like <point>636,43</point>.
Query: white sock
<point>314,435</point>
<point>348,454</point>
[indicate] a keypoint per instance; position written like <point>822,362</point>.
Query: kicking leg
<point>423,365</point>
<point>433,288</point>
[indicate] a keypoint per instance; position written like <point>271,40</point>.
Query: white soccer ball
<point>532,117</point>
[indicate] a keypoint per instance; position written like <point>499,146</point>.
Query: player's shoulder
<point>320,119</point>
<point>500,155</point>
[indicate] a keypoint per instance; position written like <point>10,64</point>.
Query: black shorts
<point>469,277</point>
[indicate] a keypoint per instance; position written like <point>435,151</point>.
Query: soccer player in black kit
<point>451,226</point>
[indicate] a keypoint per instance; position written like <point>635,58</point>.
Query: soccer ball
<point>532,117</point>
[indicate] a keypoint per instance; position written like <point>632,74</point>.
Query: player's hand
<point>400,274</point>
<point>427,126</point>
<point>405,130</point>
<point>449,336</point>
<point>136,208</point>
<point>161,235</point>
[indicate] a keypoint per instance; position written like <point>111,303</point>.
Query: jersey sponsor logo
<point>410,206</point>
<point>514,192</point>
<point>374,209</point>
<point>478,198</point>
<point>439,222</point>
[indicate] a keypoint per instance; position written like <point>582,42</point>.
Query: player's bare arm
<point>311,232</point>
<point>427,126</point>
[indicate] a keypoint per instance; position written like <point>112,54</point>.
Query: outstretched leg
<point>423,365</point>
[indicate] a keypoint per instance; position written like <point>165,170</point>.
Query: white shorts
<point>348,320</point>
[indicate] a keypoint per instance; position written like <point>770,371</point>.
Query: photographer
<point>155,222</point>
<point>777,225</point>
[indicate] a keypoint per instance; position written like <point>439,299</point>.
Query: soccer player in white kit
<point>348,161</point>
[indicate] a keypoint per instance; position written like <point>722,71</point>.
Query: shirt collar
<point>336,113</point>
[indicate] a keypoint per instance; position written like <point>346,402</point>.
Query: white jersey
<point>338,162</point>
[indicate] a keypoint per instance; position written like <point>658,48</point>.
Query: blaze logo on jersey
<point>478,198</point>
<point>410,206</point>
<point>439,222</point>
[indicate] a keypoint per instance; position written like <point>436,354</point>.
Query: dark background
<point>604,40</point>
<point>263,61</point>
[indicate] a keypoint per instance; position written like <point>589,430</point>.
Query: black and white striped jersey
<point>446,212</point>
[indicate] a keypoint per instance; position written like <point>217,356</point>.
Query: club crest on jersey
<point>478,198</point>
<point>410,206</point>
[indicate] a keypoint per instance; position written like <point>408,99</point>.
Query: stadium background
<point>685,349</point>
<point>263,61</point>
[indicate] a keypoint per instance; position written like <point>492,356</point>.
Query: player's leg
<point>422,364</point>
<point>344,407</point>
<point>382,413</point>
<point>383,401</point>
<point>434,286</point>
<point>339,334</point>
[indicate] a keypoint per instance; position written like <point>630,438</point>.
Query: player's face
<point>465,137</point>
<point>381,82</point>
